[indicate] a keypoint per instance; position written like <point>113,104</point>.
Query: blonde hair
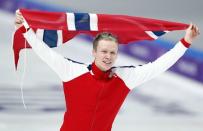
<point>104,36</point>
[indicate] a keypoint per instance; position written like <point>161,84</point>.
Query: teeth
<point>107,62</point>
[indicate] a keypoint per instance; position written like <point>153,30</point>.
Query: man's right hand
<point>18,19</point>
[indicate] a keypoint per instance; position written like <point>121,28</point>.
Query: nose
<point>108,55</point>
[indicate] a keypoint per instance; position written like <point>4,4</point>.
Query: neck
<point>99,74</point>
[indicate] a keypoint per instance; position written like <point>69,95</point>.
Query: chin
<point>104,67</point>
<point>107,68</point>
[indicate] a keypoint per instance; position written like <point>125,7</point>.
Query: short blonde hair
<point>104,36</point>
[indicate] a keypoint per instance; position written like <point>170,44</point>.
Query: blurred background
<point>170,102</point>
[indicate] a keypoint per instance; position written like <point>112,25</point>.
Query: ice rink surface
<point>167,103</point>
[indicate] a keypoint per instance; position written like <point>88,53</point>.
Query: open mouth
<point>107,62</point>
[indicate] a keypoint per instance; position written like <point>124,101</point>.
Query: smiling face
<point>105,54</point>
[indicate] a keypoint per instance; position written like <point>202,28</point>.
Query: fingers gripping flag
<point>56,28</point>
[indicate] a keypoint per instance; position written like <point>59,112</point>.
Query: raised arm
<point>64,68</point>
<point>135,76</point>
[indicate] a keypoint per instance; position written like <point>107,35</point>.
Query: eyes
<point>106,52</point>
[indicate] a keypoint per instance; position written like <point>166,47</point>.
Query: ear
<point>94,52</point>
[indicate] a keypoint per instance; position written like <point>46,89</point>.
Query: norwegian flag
<point>56,28</point>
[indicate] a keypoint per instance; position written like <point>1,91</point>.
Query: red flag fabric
<point>59,27</point>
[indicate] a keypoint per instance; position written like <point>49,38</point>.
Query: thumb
<point>190,26</point>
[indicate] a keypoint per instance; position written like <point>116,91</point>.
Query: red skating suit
<point>93,97</point>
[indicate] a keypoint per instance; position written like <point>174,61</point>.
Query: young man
<point>94,93</point>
